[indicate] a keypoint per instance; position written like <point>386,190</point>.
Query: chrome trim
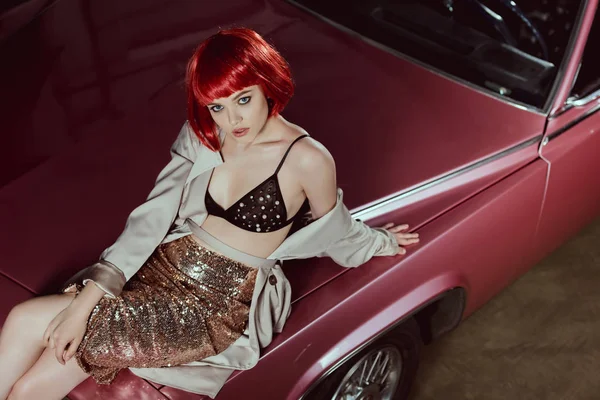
<point>576,121</point>
<point>568,104</point>
<point>377,208</point>
<point>390,328</point>
<point>573,102</point>
<point>444,74</point>
<point>545,141</point>
<point>576,74</point>
<point>560,74</point>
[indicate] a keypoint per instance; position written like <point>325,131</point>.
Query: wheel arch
<point>435,317</point>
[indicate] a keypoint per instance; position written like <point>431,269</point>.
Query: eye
<point>244,100</point>
<point>216,108</point>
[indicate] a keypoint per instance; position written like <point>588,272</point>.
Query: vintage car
<point>476,122</point>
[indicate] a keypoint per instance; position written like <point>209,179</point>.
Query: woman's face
<point>241,115</point>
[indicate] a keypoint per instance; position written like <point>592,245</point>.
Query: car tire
<point>349,381</point>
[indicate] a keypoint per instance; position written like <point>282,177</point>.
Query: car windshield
<point>510,48</point>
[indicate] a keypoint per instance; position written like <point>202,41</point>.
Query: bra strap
<point>287,151</point>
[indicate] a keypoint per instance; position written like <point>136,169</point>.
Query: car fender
<point>380,324</point>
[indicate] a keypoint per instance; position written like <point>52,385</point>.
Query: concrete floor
<point>539,339</point>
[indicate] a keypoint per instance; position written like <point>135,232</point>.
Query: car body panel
<point>573,192</point>
<point>129,387</point>
<point>176,394</point>
<point>570,147</point>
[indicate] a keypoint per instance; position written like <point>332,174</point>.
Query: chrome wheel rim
<point>374,377</point>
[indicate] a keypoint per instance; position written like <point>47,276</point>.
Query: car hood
<point>94,96</point>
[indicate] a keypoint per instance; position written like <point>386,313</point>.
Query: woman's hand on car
<point>402,237</point>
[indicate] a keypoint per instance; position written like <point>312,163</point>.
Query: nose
<point>234,117</point>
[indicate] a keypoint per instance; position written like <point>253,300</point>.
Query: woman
<point>193,287</point>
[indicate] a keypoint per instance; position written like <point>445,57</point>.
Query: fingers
<point>51,342</point>
<point>70,352</point>
<point>405,239</point>
<point>46,337</point>
<point>60,350</point>
<point>406,242</point>
<point>402,235</point>
<point>394,229</point>
<point>48,333</point>
<point>407,236</point>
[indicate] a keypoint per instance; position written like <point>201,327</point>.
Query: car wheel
<point>384,370</point>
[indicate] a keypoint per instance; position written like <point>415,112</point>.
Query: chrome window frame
<point>575,102</point>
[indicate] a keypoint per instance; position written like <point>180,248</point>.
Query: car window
<point>511,47</point>
<point>588,77</point>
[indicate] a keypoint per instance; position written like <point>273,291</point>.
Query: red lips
<point>240,131</point>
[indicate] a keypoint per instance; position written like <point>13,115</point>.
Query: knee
<point>23,321</point>
<point>14,318</point>
<point>36,313</point>
<point>18,316</point>
<point>23,389</point>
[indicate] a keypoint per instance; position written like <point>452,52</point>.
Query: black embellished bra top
<point>261,209</point>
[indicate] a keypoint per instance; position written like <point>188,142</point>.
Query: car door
<point>571,145</point>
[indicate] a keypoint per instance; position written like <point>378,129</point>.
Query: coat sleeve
<point>361,243</point>
<point>145,227</point>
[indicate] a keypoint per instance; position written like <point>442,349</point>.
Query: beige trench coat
<point>177,197</point>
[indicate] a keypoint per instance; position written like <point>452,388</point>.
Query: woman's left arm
<point>316,173</point>
<point>318,179</point>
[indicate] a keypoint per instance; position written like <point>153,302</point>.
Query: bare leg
<point>21,337</point>
<point>48,379</point>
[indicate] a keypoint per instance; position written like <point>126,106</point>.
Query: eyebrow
<point>234,99</point>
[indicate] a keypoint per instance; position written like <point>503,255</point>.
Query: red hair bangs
<point>227,62</point>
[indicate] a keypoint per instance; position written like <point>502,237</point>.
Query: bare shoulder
<point>314,169</point>
<point>309,155</point>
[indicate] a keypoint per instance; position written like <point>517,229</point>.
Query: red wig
<point>227,62</point>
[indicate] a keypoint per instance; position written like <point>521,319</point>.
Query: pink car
<point>474,121</point>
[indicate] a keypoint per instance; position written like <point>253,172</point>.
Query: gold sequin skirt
<point>186,303</point>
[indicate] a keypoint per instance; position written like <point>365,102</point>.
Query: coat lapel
<point>205,159</point>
